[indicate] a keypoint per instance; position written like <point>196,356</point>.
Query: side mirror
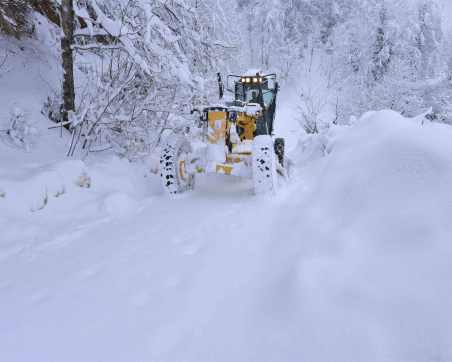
<point>231,83</point>
<point>220,86</point>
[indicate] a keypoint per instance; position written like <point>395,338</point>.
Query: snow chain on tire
<point>280,150</point>
<point>173,173</point>
<point>265,176</point>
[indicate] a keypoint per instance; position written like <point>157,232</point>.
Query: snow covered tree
<point>383,47</point>
<point>149,61</point>
<point>67,40</point>
<point>429,37</point>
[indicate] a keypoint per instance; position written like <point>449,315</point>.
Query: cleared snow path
<point>350,262</point>
<point>149,284</point>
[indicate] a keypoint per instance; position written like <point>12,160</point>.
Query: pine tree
<point>383,47</point>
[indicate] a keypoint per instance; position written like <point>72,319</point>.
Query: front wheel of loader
<point>265,176</point>
<point>280,150</point>
<point>174,159</point>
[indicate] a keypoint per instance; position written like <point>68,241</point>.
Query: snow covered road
<point>146,281</point>
<point>349,262</point>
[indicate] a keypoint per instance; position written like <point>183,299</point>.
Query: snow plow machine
<point>238,138</point>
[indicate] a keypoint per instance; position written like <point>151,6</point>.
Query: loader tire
<point>265,177</point>
<point>280,150</point>
<point>173,173</point>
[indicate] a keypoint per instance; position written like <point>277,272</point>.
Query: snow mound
<point>35,187</point>
<point>374,242</point>
<point>388,179</point>
<point>387,161</point>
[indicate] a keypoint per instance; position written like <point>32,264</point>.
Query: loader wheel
<point>280,150</point>
<point>265,175</point>
<point>173,161</point>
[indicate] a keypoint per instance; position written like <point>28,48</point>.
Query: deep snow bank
<point>375,243</point>
<point>36,187</point>
<point>388,167</point>
<point>106,185</point>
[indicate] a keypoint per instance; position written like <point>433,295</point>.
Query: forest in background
<point>140,66</point>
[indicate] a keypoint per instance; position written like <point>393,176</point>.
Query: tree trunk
<point>67,23</point>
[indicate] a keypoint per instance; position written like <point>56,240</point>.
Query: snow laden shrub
<point>53,108</point>
<point>141,67</point>
<point>125,111</point>
<point>316,91</point>
<point>310,108</point>
<point>20,132</point>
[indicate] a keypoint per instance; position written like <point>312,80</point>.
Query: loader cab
<point>246,89</point>
<point>260,89</point>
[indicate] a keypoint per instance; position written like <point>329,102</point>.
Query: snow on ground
<point>350,262</point>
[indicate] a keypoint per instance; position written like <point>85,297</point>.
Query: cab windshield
<point>252,96</point>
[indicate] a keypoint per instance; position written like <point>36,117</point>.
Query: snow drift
<point>36,187</point>
<point>374,243</point>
